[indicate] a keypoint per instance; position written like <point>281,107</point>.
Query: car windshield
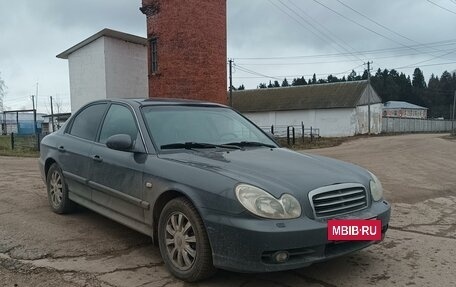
<point>177,127</point>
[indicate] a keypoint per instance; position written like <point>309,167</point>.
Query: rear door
<point>75,146</point>
<point>117,176</point>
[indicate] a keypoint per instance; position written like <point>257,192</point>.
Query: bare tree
<point>2,92</point>
<point>58,106</point>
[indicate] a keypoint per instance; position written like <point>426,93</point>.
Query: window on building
<point>153,55</point>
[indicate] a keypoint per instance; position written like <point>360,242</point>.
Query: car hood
<point>276,170</point>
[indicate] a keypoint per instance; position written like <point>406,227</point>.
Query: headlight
<point>376,188</point>
<point>263,204</point>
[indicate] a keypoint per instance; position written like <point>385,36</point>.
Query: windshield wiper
<point>251,144</point>
<point>192,145</point>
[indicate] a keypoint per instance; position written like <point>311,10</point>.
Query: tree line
<point>436,94</point>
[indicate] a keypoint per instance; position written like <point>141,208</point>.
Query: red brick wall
<point>191,49</point>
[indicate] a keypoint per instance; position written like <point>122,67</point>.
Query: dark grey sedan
<point>210,187</point>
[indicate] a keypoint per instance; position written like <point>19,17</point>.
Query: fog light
<point>281,256</point>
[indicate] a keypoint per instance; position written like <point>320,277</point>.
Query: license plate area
<point>354,230</point>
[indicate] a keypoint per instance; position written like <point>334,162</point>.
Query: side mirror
<point>120,142</point>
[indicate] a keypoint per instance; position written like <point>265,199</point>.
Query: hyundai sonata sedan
<point>211,188</point>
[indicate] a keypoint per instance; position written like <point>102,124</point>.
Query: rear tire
<point>183,241</point>
<point>57,191</point>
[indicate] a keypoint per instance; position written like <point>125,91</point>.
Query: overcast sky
<point>273,38</point>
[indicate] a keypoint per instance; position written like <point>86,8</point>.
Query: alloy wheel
<point>56,189</point>
<point>180,241</point>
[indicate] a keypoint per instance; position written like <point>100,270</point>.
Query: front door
<point>116,176</point>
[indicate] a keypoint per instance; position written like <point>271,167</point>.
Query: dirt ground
<point>40,248</point>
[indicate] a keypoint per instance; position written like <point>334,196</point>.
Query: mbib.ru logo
<point>347,230</point>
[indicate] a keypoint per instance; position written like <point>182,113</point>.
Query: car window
<point>119,120</point>
<point>85,124</point>
<point>181,124</point>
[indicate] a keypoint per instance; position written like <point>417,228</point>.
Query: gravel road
<point>40,248</point>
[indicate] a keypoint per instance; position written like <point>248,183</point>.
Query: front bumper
<point>247,244</point>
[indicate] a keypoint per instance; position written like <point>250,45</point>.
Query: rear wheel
<point>183,241</point>
<point>58,191</point>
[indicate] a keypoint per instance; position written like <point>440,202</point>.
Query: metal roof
<point>318,96</point>
<point>104,33</point>
<point>402,105</point>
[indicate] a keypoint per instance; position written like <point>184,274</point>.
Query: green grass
<point>315,143</point>
<point>323,142</point>
<point>24,147</point>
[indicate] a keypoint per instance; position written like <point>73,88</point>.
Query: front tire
<point>57,191</point>
<point>183,241</point>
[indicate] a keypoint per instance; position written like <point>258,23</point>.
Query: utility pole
<point>52,114</point>
<point>369,96</point>
<point>33,101</point>
<point>34,113</point>
<point>452,122</point>
<point>231,82</point>
<point>36,95</point>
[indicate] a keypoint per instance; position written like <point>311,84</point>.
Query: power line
<point>259,75</point>
<point>302,25</point>
<point>433,3</point>
<point>428,65</point>
<point>255,73</point>
<point>325,62</point>
<point>428,60</point>
<point>326,31</point>
<point>375,22</point>
<point>375,51</point>
<point>365,27</point>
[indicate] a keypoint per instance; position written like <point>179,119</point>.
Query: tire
<point>57,191</point>
<point>183,241</point>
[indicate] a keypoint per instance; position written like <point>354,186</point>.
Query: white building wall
<point>126,69</point>
<point>362,119</point>
<point>87,74</point>
<point>331,122</point>
<point>107,68</point>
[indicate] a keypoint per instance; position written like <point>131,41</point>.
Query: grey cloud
<point>33,32</point>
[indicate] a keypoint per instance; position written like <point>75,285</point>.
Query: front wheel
<point>57,191</point>
<point>183,241</point>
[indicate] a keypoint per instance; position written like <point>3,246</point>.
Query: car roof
<point>169,102</point>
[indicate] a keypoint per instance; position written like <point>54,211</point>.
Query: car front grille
<point>338,199</point>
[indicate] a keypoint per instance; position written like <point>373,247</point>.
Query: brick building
<point>187,49</point>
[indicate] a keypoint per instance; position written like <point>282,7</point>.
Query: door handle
<point>61,148</point>
<point>97,158</point>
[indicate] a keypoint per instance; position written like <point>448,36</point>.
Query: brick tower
<point>187,49</point>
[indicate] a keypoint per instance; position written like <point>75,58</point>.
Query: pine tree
<point>418,81</point>
<point>285,83</point>
<point>332,79</point>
